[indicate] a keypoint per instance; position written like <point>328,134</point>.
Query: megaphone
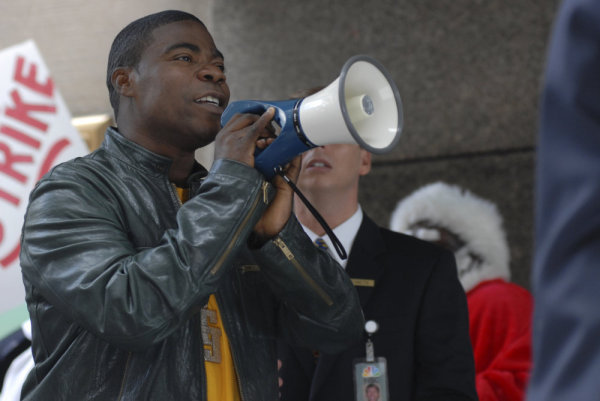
<point>361,106</point>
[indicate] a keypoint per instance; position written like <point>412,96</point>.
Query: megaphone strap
<point>337,244</point>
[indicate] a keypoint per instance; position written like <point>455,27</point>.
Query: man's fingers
<point>263,124</point>
<point>239,121</point>
<point>240,136</point>
<point>258,125</point>
<point>293,168</point>
<point>262,143</point>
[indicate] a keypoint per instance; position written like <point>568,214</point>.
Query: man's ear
<point>365,162</point>
<point>123,80</point>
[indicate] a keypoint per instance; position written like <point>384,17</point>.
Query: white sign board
<point>35,134</point>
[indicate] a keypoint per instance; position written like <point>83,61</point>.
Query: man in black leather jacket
<point>118,271</point>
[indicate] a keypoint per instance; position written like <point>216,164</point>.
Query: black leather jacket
<point>116,271</point>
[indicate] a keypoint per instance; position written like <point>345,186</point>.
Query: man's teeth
<point>208,99</point>
<point>318,164</point>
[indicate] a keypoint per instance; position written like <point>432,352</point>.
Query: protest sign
<point>35,134</point>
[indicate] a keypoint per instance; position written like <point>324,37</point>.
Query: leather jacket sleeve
<point>320,308</point>
<point>83,258</point>
<point>80,256</point>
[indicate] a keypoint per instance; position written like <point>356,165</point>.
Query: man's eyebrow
<point>183,45</point>
<point>192,47</point>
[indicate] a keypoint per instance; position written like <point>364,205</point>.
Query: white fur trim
<point>475,220</point>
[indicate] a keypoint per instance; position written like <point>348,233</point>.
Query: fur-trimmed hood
<point>474,220</point>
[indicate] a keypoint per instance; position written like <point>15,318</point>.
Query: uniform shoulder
<point>393,238</point>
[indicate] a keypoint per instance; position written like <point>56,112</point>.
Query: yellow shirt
<point>221,379</point>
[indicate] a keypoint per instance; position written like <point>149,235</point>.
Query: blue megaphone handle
<point>289,143</point>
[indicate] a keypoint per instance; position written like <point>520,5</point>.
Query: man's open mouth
<point>209,99</point>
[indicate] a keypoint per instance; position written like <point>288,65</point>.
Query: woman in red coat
<point>499,311</point>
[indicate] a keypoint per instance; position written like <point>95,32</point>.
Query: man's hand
<point>280,209</point>
<point>238,139</point>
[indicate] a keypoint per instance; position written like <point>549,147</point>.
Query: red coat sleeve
<point>500,330</point>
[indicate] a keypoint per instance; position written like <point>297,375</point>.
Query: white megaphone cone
<point>361,106</point>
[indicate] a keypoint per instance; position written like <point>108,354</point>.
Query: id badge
<point>370,373</point>
<point>370,380</point>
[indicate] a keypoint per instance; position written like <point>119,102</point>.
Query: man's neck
<point>183,161</point>
<point>334,209</point>
<point>180,170</point>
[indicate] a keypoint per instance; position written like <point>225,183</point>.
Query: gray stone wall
<point>468,72</point>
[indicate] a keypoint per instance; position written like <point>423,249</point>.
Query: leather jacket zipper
<point>124,377</point>
<point>290,256</point>
<point>176,195</point>
<point>235,368</point>
<point>237,381</point>
<point>223,308</point>
<point>235,236</point>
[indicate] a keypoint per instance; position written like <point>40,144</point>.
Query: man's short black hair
<point>130,43</point>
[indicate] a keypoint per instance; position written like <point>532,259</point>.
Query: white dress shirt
<point>346,233</point>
